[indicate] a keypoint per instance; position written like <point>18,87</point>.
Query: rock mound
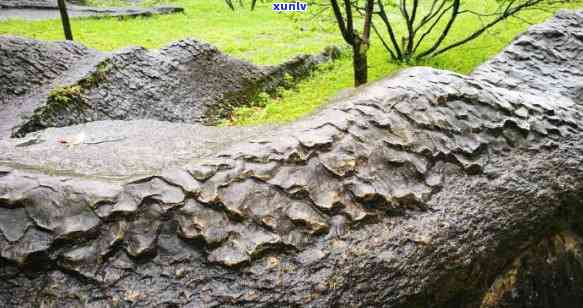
<point>427,189</point>
<point>62,84</point>
<point>27,64</point>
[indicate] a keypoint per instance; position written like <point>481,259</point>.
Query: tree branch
<point>431,14</point>
<point>385,45</point>
<point>454,14</point>
<point>435,23</point>
<point>340,21</point>
<point>383,15</point>
<point>508,12</point>
<point>410,27</point>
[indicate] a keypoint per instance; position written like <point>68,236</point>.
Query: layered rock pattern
<point>26,65</point>
<point>187,81</point>
<point>425,189</point>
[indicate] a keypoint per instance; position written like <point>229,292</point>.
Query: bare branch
<point>508,12</point>
<point>433,25</point>
<point>410,26</point>
<point>340,21</point>
<point>430,14</point>
<point>385,45</point>
<point>445,32</point>
<point>383,15</point>
<point>230,4</point>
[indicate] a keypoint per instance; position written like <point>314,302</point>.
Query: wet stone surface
<point>425,189</point>
<point>57,84</point>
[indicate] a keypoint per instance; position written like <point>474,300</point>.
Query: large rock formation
<point>50,84</point>
<point>427,189</point>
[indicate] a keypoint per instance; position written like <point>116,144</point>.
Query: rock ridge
<point>428,188</point>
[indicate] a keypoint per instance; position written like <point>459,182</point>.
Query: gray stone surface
<point>28,3</point>
<point>60,84</point>
<point>427,189</point>
<point>31,69</point>
<point>119,148</point>
<point>48,9</point>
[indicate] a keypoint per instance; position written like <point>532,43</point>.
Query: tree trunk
<point>65,20</point>
<point>360,63</point>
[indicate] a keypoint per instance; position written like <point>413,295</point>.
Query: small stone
<point>230,254</point>
<point>521,112</point>
<point>306,215</point>
<point>13,223</point>
<point>77,225</point>
<point>311,256</point>
<point>182,178</point>
<point>201,172</point>
<point>196,220</point>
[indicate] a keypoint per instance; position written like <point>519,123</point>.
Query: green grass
<point>262,36</point>
<point>265,37</point>
<point>329,80</point>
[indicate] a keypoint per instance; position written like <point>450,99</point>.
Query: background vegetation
<point>265,37</point>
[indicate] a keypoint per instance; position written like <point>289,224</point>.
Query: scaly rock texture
<point>46,84</point>
<point>28,64</point>
<point>427,189</point>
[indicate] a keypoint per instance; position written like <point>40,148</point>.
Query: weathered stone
<point>13,223</point>
<point>53,208</point>
<point>182,178</point>
<point>33,242</point>
<point>78,224</point>
<point>302,213</point>
<point>230,254</point>
<point>256,240</point>
<point>142,232</point>
<point>83,259</point>
<point>68,84</point>
<point>424,189</point>
<point>199,221</point>
<point>154,189</point>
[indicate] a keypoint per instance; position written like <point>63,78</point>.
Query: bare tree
<point>359,42</point>
<point>428,24</point>
<point>65,20</point>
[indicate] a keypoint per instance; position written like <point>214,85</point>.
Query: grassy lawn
<point>265,37</point>
<point>262,36</point>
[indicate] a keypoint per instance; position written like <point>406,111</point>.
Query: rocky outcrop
<point>48,9</point>
<point>29,64</point>
<point>427,189</point>
<point>61,84</point>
